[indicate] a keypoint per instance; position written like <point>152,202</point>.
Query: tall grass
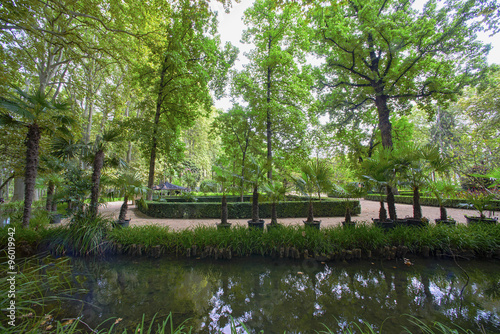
<point>241,241</point>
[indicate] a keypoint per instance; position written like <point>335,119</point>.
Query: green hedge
<point>236,210</point>
<point>204,199</point>
<point>432,201</point>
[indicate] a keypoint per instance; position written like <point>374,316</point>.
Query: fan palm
<point>37,114</point>
<point>314,179</point>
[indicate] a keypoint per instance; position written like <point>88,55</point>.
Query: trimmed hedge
<point>204,199</point>
<point>237,210</point>
<point>432,201</point>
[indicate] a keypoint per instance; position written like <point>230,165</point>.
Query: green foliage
<point>432,201</point>
<point>84,236</point>
<point>207,186</point>
<point>40,285</point>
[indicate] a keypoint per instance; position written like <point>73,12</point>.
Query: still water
<point>296,296</point>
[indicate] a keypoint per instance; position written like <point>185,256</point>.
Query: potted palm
<point>443,190</point>
<point>223,178</point>
<point>479,200</point>
<point>129,184</point>
<point>314,179</point>
<point>378,174</point>
<point>348,192</point>
<point>256,175</point>
<point>274,192</point>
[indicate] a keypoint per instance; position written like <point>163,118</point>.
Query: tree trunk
<point>391,204</point>
<point>417,209</point>
<point>154,143</point>
<point>18,189</point>
<point>32,144</point>
<point>223,214</point>
<point>123,209</point>
<point>310,215</point>
<point>382,214</point>
<point>274,214</point>
<point>444,214</point>
<point>255,205</point>
<point>50,196</point>
<point>6,185</point>
<point>96,180</point>
<point>385,126</point>
<point>347,214</point>
<point>268,116</point>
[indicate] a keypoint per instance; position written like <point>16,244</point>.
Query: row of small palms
<point>410,165</point>
<point>315,178</point>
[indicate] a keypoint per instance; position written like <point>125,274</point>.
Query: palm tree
<point>378,172</point>
<point>315,178</point>
<point>256,174</point>
<point>415,164</point>
<point>37,114</point>
<point>224,178</point>
<point>275,191</point>
<point>129,183</point>
<point>97,153</point>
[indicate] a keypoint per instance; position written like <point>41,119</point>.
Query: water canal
<point>296,296</point>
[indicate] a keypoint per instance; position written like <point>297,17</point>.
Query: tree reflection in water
<point>292,296</point>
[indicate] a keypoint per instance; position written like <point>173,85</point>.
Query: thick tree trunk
<point>347,214</point>
<point>444,214</point>
<point>310,215</point>
<point>50,195</point>
<point>274,214</point>
<point>385,126</point>
<point>417,209</point>
<point>96,180</point>
<point>382,214</point>
<point>32,144</point>
<point>123,209</point>
<point>391,204</point>
<point>255,205</point>
<point>223,214</point>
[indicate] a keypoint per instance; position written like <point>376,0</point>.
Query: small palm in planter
<point>314,179</point>
<point>223,178</point>
<point>274,192</point>
<point>479,200</point>
<point>256,176</point>
<point>129,183</point>
<point>348,192</point>
<point>378,172</point>
<point>443,190</point>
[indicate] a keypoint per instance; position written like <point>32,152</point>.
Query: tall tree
<point>187,66</point>
<point>386,53</point>
<point>276,83</point>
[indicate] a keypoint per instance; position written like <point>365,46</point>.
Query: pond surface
<point>296,296</point>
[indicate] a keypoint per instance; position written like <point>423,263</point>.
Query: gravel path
<point>369,210</point>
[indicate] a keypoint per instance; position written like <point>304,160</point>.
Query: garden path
<point>369,210</point>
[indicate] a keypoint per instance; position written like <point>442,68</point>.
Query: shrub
<point>239,210</point>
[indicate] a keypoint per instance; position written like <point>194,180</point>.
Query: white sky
<point>231,27</point>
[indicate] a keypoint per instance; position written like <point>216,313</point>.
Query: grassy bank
<point>365,241</point>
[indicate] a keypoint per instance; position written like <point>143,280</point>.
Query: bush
<point>239,210</point>
<point>432,201</point>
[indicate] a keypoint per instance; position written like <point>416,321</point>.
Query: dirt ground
<point>369,210</point>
